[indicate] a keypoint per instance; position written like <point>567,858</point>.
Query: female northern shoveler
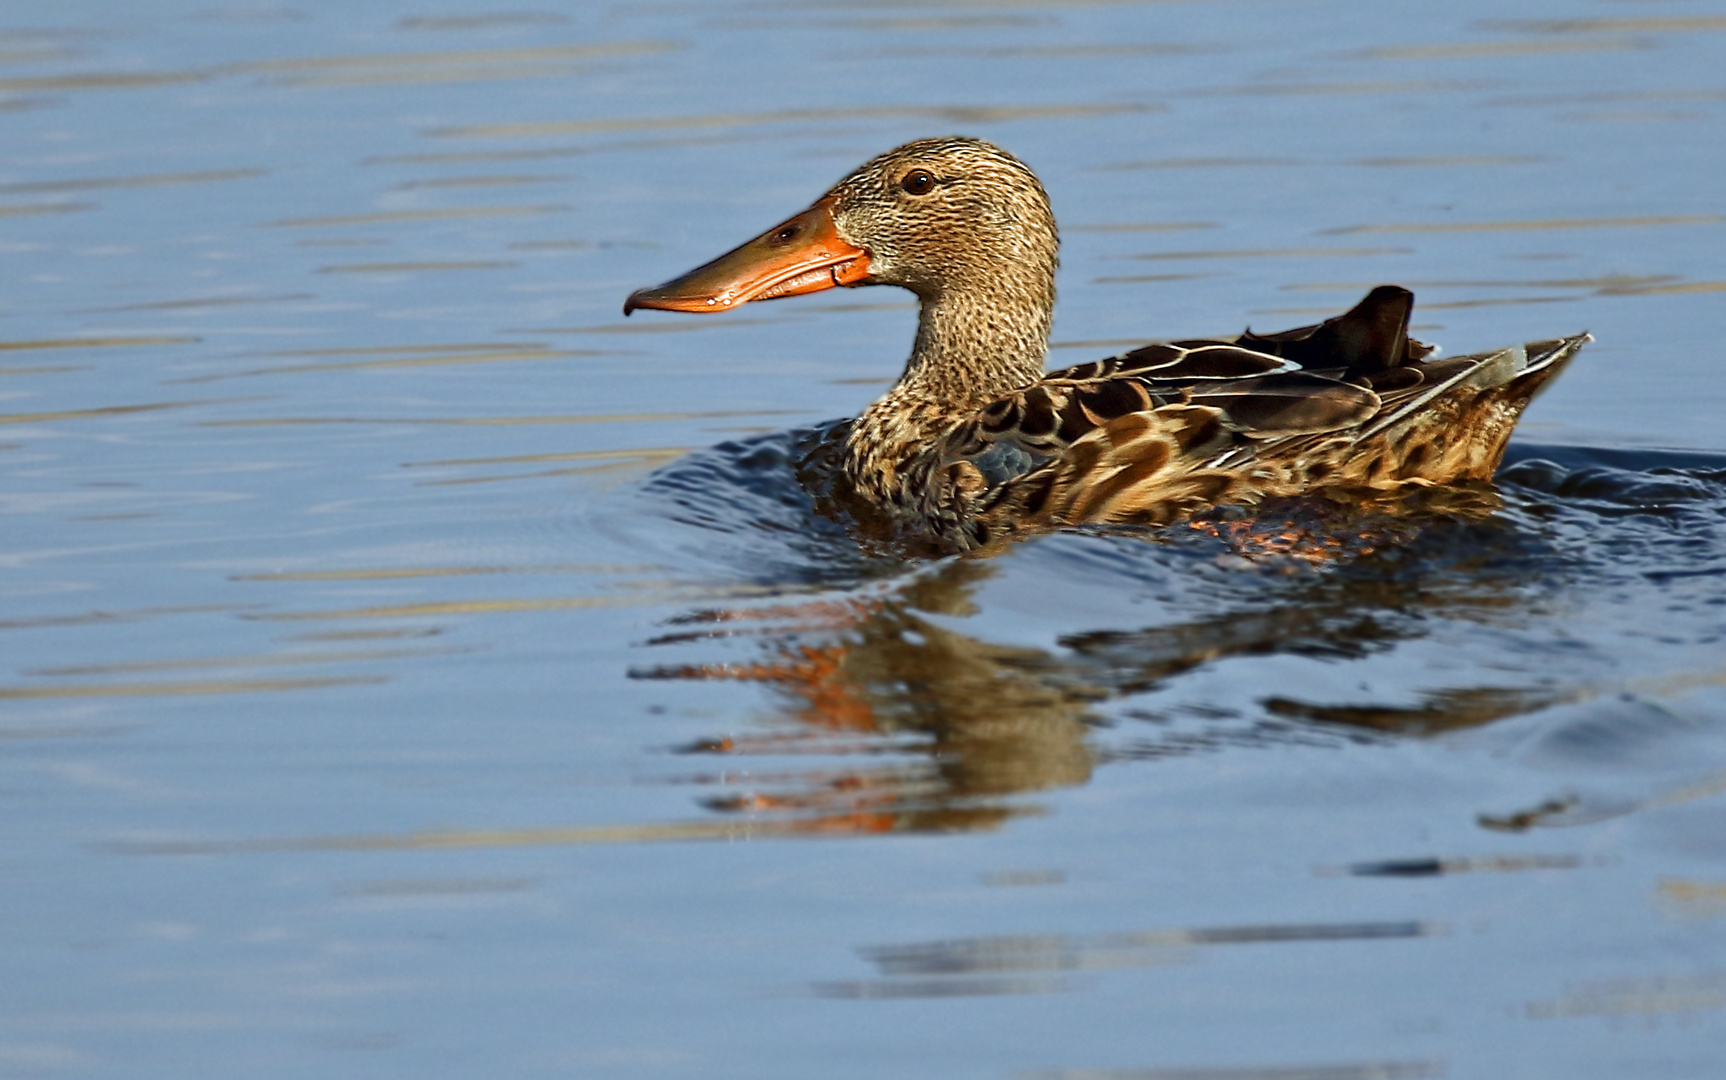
<point>976,442</point>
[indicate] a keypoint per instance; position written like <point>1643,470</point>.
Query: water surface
<point>411,667</point>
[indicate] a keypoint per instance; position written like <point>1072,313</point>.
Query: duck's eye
<point>918,182</point>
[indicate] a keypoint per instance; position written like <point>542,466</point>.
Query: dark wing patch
<point>1393,379</point>
<point>1176,363</point>
<point>1293,403</point>
<point>1213,361</point>
<point>1370,337</point>
<point>1117,397</point>
<point>1037,412</point>
<point>1146,358</point>
<point>1002,415</point>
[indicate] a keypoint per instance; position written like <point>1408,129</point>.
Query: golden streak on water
<point>261,660</point>
<point>88,618</point>
<point>388,217</point>
<point>477,181</point>
<point>1199,163</point>
<point>1276,253</point>
<point>649,592</point>
<point>1430,86</point>
<point>66,731</point>
<point>953,113</point>
<point>401,572</point>
<point>195,302</point>
<point>382,633</point>
<point>492,421</point>
<point>390,350</point>
<point>45,369</point>
<point>469,607</point>
<point>439,358</point>
<point>720,138</point>
<point>28,209</point>
<point>1702,789</point>
<point>1472,161</point>
<point>1409,161</point>
<point>149,180</point>
<point>1499,301</point>
<point>476,22</point>
<point>1687,993</point>
<point>1074,52</point>
<point>476,157</point>
<point>947,22</point>
<point>418,267</point>
<point>1439,305</point>
<point>1662,290</point>
<point>468,839</point>
<point>95,343</point>
<point>244,686</point>
<point>1631,116</point>
<point>1651,97</point>
<point>99,80</point>
<point>34,55</point>
<point>940,986</point>
<point>619,461</point>
<point>433,76</point>
<point>1693,898</point>
<point>532,459</point>
<point>1651,25</point>
<point>1144,226</point>
<point>86,414</point>
<point>458,57</point>
<point>341,241</point>
<point>1495,48</point>
<point>694,326</point>
<point>1612,284</point>
<point>1521,226</point>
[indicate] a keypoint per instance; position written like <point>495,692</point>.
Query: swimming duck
<point>976,442</point>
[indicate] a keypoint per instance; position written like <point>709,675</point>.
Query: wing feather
<point>1166,429</point>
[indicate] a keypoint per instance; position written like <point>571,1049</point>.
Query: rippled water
<point>411,667</point>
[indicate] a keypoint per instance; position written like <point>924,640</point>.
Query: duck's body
<point>976,442</point>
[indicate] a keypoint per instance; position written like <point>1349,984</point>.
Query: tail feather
<point>1512,376</point>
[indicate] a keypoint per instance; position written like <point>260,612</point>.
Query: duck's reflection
<point>963,721</point>
<point>935,729</point>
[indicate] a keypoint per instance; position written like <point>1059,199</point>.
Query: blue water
<point>413,668</point>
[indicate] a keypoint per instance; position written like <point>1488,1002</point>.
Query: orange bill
<point>803,255</point>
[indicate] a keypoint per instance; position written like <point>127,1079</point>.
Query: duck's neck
<point>973,346</point>
<point>971,349</point>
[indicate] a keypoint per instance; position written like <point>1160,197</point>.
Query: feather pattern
<point>976,443</point>
<point>1165,430</point>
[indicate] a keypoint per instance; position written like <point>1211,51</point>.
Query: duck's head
<point>940,217</point>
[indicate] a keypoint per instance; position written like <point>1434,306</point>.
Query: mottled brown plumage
<point>975,442</point>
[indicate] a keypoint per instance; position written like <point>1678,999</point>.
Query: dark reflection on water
<point>966,723</point>
<point>966,967</point>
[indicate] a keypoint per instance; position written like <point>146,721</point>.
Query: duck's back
<point>1165,430</point>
